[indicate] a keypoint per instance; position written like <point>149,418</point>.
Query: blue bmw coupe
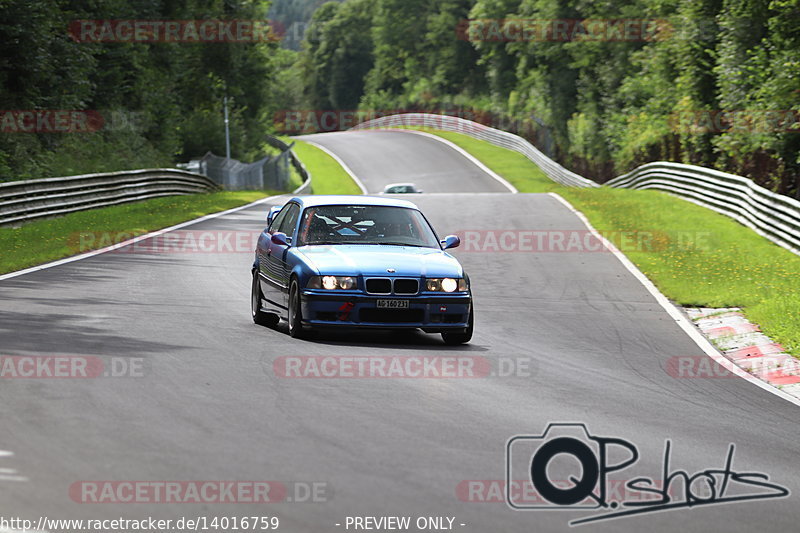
<point>362,262</point>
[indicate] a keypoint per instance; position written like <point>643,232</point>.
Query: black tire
<point>260,317</point>
<point>453,339</point>
<point>295,312</point>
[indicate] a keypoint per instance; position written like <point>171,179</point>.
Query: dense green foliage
<point>600,106</point>
<point>161,102</point>
<point>292,17</point>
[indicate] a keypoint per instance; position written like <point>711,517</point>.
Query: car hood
<point>374,260</point>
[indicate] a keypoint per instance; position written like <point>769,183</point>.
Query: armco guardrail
<point>774,216</point>
<point>21,201</point>
<point>500,138</point>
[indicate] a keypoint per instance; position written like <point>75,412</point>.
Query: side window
<point>287,225</point>
<point>276,222</point>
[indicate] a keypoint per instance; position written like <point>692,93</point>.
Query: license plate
<point>392,304</point>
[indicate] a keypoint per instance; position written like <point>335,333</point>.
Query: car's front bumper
<point>431,312</point>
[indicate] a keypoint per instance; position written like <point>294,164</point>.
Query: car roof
<point>317,200</point>
<point>407,184</point>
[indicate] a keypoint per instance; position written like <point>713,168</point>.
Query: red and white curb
<point>745,346</point>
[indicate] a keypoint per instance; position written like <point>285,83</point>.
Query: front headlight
<point>332,283</point>
<point>447,285</point>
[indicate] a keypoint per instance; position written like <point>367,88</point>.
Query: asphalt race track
<point>404,157</point>
<point>588,342</point>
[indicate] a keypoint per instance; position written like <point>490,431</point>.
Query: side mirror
<point>280,238</point>
<point>451,241</point>
<point>273,211</point>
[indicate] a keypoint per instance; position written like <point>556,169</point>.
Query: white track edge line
<point>134,240</point>
<point>683,322</point>
<point>492,174</point>
<point>341,163</point>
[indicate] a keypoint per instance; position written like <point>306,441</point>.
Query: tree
<point>343,56</point>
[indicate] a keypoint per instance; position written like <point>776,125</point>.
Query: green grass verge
<point>695,256</point>
<point>328,177</point>
<point>51,239</point>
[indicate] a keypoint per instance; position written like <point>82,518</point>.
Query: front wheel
<point>260,317</point>
<point>295,312</point>
<point>464,337</point>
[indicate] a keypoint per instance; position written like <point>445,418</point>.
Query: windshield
<point>349,224</point>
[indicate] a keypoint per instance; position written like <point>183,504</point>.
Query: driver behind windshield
<point>384,225</point>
